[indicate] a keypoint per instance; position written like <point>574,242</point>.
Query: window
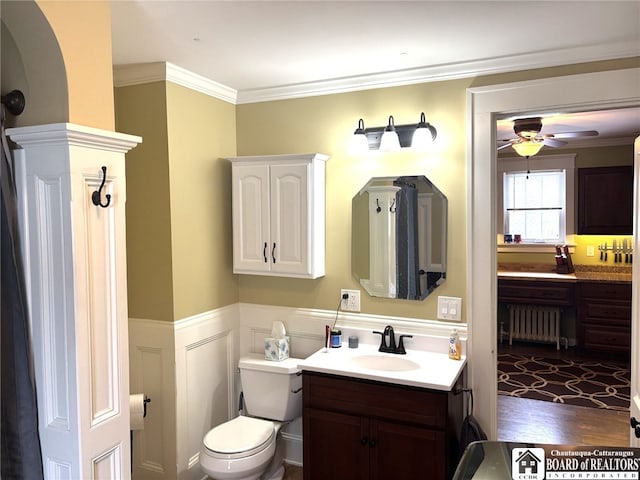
<point>534,206</point>
<point>536,198</point>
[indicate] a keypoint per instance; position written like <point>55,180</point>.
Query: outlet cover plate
<point>351,304</point>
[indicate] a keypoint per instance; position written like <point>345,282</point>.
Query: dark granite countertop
<point>583,273</point>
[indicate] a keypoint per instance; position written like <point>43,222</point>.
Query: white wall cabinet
<point>279,215</point>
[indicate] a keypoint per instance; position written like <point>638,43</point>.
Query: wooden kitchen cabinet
<point>604,318</point>
<point>360,429</point>
<point>533,292</point>
<point>278,204</point>
<point>605,200</point>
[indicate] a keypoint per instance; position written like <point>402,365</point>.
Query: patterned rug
<point>587,384</point>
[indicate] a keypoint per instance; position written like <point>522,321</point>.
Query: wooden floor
<point>536,421</point>
<point>292,472</point>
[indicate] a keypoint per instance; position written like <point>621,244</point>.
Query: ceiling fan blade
<point>505,146</point>
<point>552,142</point>
<point>584,133</point>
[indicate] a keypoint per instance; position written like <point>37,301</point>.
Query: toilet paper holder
<point>144,407</point>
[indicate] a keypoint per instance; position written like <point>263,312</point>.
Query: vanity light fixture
<point>390,142</point>
<point>393,137</point>
<point>424,135</point>
<point>359,141</point>
<point>527,148</point>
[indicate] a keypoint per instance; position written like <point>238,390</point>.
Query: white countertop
<point>432,370</point>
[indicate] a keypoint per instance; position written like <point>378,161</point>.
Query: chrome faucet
<point>390,347</point>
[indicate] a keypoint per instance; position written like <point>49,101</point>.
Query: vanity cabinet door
<point>406,452</point>
<point>375,430</point>
<point>338,448</point>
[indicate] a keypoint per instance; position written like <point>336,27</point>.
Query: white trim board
<point>574,93</point>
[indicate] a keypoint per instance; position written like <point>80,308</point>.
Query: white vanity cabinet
<point>279,215</point>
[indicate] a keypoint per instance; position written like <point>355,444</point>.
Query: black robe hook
<point>95,196</point>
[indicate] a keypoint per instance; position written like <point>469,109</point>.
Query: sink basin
<point>387,363</point>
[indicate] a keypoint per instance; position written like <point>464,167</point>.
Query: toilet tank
<point>269,387</point>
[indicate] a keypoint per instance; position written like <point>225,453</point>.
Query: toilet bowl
<point>240,449</point>
<point>245,448</point>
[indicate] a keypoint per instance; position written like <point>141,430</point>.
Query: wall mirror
<point>399,237</point>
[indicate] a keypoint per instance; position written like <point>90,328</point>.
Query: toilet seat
<point>240,437</point>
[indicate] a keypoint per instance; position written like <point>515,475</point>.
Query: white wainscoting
<point>189,370</point>
<point>306,329</point>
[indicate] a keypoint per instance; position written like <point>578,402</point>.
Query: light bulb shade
<point>359,142</point>
<point>424,135</point>
<point>527,149</point>
<point>390,141</point>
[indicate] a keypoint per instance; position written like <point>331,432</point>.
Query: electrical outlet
<point>352,302</point>
<point>590,251</point>
<point>449,308</point>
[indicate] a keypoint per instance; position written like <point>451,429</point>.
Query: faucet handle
<point>383,342</point>
<point>401,349</point>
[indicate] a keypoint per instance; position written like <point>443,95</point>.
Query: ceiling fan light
<point>359,142</point>
<point>424,135</point>
<point>527,149</point>
<point>390,141</point>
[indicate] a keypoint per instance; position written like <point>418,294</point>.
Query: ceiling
<point>283,49</point>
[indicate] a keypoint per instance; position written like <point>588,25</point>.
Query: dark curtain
<point>20,443</point>
<point>407,276</point>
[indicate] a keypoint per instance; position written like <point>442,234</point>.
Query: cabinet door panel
<point>289,218</point>
<point>336,446</point>
<point>404,452</point>
<point>250,218</point>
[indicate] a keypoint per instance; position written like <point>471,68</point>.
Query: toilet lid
<point>239,435</point>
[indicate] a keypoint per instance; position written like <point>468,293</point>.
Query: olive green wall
<point>178,193</point>
<point>201,135</point>
<point>325,124</point>
<point>142,110</point>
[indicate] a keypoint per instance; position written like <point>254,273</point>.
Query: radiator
<point>534,323</point>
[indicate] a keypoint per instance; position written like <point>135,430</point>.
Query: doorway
<point>527,368</point>
<point>602,90</point>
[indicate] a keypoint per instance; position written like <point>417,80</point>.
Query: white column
<point>74,255</point>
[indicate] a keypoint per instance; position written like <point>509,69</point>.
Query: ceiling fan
<point>529,140</point>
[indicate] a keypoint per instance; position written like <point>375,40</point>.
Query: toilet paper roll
<point>136,411</point>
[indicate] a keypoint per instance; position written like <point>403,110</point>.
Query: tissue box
<point>276,349</point>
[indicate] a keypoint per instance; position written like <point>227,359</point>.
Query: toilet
<point>245,448</point>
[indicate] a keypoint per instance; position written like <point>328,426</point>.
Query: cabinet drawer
<point>607,339</point>
<point>536,293</point>
<point>608,291</point>
<point>373,399</point>
<point>611,313</point>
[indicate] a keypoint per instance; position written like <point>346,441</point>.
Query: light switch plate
<point>449,308</point>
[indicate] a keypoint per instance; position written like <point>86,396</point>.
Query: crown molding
<point>141,73</point>
<point>488,66</point>
<point>135,74</point>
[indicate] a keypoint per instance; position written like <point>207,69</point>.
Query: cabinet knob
<point>364,441</point>
<point>372,443</point>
